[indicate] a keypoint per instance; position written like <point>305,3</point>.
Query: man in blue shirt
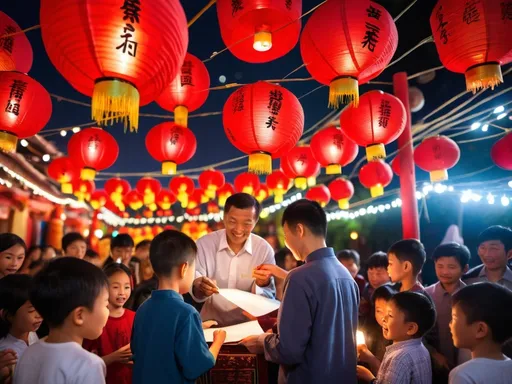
<point>317,320</point>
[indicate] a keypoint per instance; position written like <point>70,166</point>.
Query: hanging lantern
<point>15,50</point>
<point>98,199</point>
<point>320,194</point>
<point>26,108</point>
<point>64,172</point>
<point>134,200</point>
<point>212,207</point>
<point>262,193</point>
<point>247,183</point>
<point>259,31</point>
<point>188,91</point>
<point>263,120</point>
<point>342,191</point>
<point>300,164</point>
<point>278,183</point>
<point>333,150</point>
<point>121,53</point>
<point>92,149</point>
<point>501,152</point>
<point>416,99</point>
<point>436,155</point>
<point>211,180</point>
<point>182,187</point>
<point>165,199</point>
<point>346,43</point>
<point>147,214</point>
<point>224,192</point>
<point>149,188</point>
<point>395,165</point>
<point>471,37</point>
<point>83,189</point>
<point>117,189</point>
<point>376,175</point>
<point>170,144</point>
<point>379,120</point>
<point>197,198</point>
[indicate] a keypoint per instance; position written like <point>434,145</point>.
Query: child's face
<point>188,278</point>
<point>76,249</point>
<point>119,289</point>
<point>378,276</point>
<point>394,326</point>
<point>26,319</point>
<point>448,270</point>
<point>123,253</point>
<point>289,262</point>
<point>11,260</point>
<point>351,266</point>
<point>396,269</point>
<point>94,321</point>
<point>464,335</point>
<point>381,307</point>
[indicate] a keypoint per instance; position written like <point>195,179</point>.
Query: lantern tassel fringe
<point>260,163</point>
<point>483,76</point>
<point>8,142</point>
<point>333,169</point>
<point>343,90</point>
<point>169,168</point>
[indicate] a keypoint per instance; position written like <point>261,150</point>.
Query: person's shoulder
<point>212,237</point>
<point>431,288</point>
<point>473,273</point>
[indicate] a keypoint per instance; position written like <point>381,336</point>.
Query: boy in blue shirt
<point>168,343</point>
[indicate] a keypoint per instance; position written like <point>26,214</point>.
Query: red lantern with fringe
<point>26,108</point>
<point>188,91</point>
<point>378,120</point>
<point>262,193</point>
<point>376,175</point>
<point>117,189</point>
<point>263,120</point>
<point>212,207</point>
<point>149,188</point>
<point>197,198</point>
<point>320,194</point>
<point>501,152</point>
<point>165,199</point>
<point>182,187</point>
<point>247,183</point>
<point>472,37</point>
<point>92,149</point>
<point>258,31</point>
<point>346,43</point>
<point>15,50</point>
<point>278,184</point>
<point>134,200</point>
<point>119,52</point>
<point>64,172</point>
<point>300,164</point>
<point>211,180</point>
<point>83,189</point>
<point>333,150</point>
<point>342,191</point>
<point>170,144</point>
<point>224,192</point>
<point>436,155</point>
<point>98,199</point>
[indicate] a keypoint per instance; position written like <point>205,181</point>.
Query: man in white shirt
<point>227,258</point>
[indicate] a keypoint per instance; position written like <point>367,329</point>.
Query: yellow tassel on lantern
<point>260,163</point>
<point>262,41</point>
<point>153,207</point>
<point>183,199</point>
<point>301,182</point>
<point>278,198</point>
<point>6,61</point>
<point>181,116</point>
<point>249,190</point>
<point>87,174</point>
<point>333,169</point>
<point>343,90</point>
<point>311,181</point>
<point>482,76</point>
<point>149,197</point>
<point>223,198</point>
<point>8,142</point>
<point>136,205</point>
<point>343,203</point>
<point>66,188</point>
<point>438,175</point>
<point>115,100</point>
<point>377,190</point>
<point>375,152</point>
<point>211,191</point>
<point>169,168</point>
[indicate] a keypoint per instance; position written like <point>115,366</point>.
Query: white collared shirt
<point>218,262</point>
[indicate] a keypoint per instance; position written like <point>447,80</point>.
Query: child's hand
<point>264,272</point>
<point>364,374</point>
<point>122,355</point>
<point>204,287</point>
<point>7,358</point>
<point>219,336</point>
<point>209,323</point>
<point>364,354</point>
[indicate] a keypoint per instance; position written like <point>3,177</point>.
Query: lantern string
<point>425,72</point>
<point>295,70</point>
<point>482,138</point>
<point>426,40</point>
<point>200,13</point>
<point>33,28</point>
<point>404,11</point>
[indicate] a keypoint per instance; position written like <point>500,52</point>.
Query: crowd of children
<point>455,331</point>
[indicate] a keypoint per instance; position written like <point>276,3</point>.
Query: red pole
<point>410,222</point>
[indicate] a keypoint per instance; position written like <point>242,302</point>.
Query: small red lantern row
<point>333,150</point>
<point>320,194</point>
<point>376,175</point>
<point>501,152</point>
<point>436,155</point>
<point>211,180</point>
<point>300,164</point>
<point>279,184</point>
<point>247,183</point>
<point>182,187</point>
<point>224,192</point>
<point>64,172</point>
<point>342,191</point>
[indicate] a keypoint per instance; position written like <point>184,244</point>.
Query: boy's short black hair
<point>418,309</point>
<point>170,249</point>
<point>143,244</point>
<point>14,292</point>
<point>385,292</point>
<point>114,268</point>
<point>490,303</point>
<point>308,213</point>
<point>70,238</point>
<point>460,252</point>
<point>91,254</point>
<point>497,232</point>
<point>8,240</point>
<point>349,254</point>
<point>410,250</point>
<point>123,240</point>
<point>378,260</point>
<point>64,285</point>
<point>243,201</point>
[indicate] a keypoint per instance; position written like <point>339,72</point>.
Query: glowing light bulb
<point>98,233</point>
<point>63,133</point>
<point>499,109</point>
<point>354,235</point>
<point>501,116</point>
<point>262,41</point>
<point>76,129</point>
<point>46,158</point>
<point>24,143</point>
<point>475,126</point>
<point>505,201</point>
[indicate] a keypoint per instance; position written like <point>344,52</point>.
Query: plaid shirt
<point>405,362</point>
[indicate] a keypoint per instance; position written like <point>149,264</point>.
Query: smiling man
<point>227,258</point>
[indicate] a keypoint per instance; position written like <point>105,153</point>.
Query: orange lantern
<point>211,180</point>
<point>247,183</point>
<point>300,164</point>
<point>165,199</point>
<point>376,175</point>
<point>224,192</point>
<point>320,194</point>
<point>333,150</point>
<point>117,189</point>
<point>342,191</point>
<point>15,50</point>
<point>149,188</point>
<point>262,193</point>
<point>182,187</point>
<point>98,199</point>
<point>436,155</point>
<point>278,183</point>
<point>83,189</point>
<point>65,172</point>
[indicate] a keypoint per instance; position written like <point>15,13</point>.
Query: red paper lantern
<point>170,144</point>
<point>247,183</point>
<point>64,172</point>
<point>472,37</point>
<point>212,207</point>
<point>197,198</point>
<point>436,155</point>
<point>300,164</point>
<point>342,191</point>
<point>149,188</point>
<point>262,193</point>
<point>165,199</point>
<point>379,120</point>
<point>501,152</point>
<point>26,108</point>
<point>320,194</point>
<point>278,184</point>
<point>258,31</point>
<point>15,50</point>
<point>92,149</point>
<point>121,53</point>
<point>346,43</point>
<point>188,91</point>
<point>117,189</point>
<point>83,189</point>
<point>376,175</point>
<point>211,180</point>
<point>395,165</point>
<point>224,192</point>
<point>134,200</point>
<point>333,150</point>
<point>263,120</point>
<point>182,187</point>
<point>98,199</point>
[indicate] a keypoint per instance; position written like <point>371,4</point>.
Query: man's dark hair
<point>8,240</point>
<point>70,238</point>
<point>460,252</point>
<point>410,250</point>
<point>14,292</point>
<point>349,254</point>
<point>308,213</point>
<point>91,254</point>
<point>385,292</point>
<point>378,260</point>
<point>489,303</point>
<point>64,285</point>
<point>418,309</point>
<point>122,240</point>
<point>114,268</point>
<point>143,244</point>
<point>497,232</point>
<point>170,249</point>
<point>243,201</point>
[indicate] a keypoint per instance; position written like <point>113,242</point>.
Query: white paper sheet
<point>249,302</point>
<point>235,333</point>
